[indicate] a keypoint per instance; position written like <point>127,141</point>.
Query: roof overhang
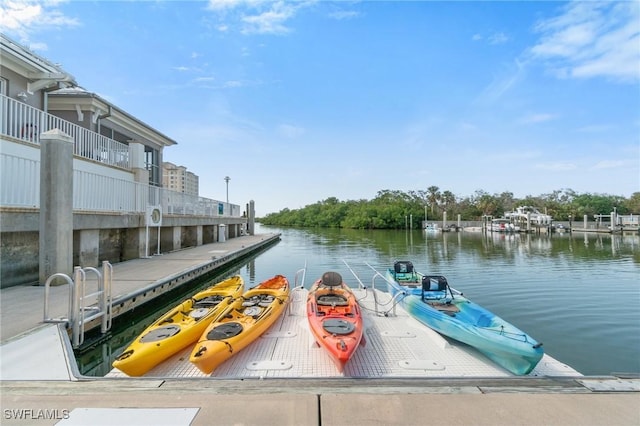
<point>41,73</point>
<point>77,99</point>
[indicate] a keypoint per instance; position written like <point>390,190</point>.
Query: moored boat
<point>431,300</point>
<point>335,318</point>
<point>503,225</point>
<point>241,323</point>
<point>432,228</point>
<point>178,328</point>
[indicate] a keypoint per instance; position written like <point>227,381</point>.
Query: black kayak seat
<point>403,271</point>
<point>338,326</point>
<point>331,279</point>
<point>224,331</point>
<point>160,333</point>
<point>434,283</point>
<point>403,267</point>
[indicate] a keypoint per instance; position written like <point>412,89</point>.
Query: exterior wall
<point>16,84</point>
<point>115,238</point>
<point>19,254</point>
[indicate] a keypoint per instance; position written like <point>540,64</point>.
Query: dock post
<point>56,205</point>
<point>252,217</point>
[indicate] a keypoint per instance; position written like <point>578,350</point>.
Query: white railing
<point>20,187</point>
<point>26,123</point>
<point>94,192</point>
<point>19,181</point>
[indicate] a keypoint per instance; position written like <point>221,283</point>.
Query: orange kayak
<point>241,323</point>
<point>335,318</point>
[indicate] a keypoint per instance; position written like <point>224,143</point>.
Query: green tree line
<point>391,208</point>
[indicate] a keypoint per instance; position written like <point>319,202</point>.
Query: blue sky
<point>301,101</point>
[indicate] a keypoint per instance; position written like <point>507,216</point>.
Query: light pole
<point>227,179</point>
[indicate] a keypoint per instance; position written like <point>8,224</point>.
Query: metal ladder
<point>79,312</point>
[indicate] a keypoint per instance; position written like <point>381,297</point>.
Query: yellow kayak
<point>243,322</point>
<point>178,328</point>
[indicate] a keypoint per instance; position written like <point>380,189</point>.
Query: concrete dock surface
<point>341,401</point>
<point>27,302</point>
<point>308,402</point>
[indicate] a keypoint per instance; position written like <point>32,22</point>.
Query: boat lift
<point>79,311</point>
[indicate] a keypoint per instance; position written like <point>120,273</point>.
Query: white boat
<point>533,215</point>
<point>432,227</point>
<point>503,225</point>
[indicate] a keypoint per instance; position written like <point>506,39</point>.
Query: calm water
<point>578,294</point>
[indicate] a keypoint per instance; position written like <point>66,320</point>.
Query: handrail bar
<point>78,278</point>
<point>103,293</point>
<point>47,287</point>
<point>373,285</point>
<point>303,272</point>
<point>107,272</point>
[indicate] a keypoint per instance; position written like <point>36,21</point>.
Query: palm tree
<point>434,196</point>
<point>448,199</point>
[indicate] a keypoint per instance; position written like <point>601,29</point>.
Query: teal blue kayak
<point>430,300</point>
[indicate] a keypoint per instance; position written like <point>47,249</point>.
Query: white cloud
<point>558,166</point>
<point>502,83</point>
<point>290,132</point>
<point>537,118</point>
<point>270,22</point>
<point>594,128</point>
<point>609,164</point>
<point>22,17</point>
<point>592,39</point>
<point>495,38</point>
<point>234,83</point>
<point>256,16</point>
<point>219,5</point>
<point>344,14</point>
<point>498,38</point>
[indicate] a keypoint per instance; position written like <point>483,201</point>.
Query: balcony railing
<point>20,187</point>
<point>24,122</point>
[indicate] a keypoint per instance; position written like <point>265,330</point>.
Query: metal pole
<point>227,179</point>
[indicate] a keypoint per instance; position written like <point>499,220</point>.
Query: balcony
<point>92,192</point>
<point>25,123</point>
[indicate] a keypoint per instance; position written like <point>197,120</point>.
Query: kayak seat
<point>434,283</point>
<point>406,277</point>
<point>160,333</point>
<point>403,267</point>
<point>332,300</point>
<point>338,326</point>
<point>208,302</point>
<point>331,279</point>
<point>225,331</point>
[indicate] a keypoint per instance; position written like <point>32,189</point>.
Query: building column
<point>135,243</point>
<point>56,204</point>
<point>199,234</point>
<point>137,161</point>
<point>88,254</point>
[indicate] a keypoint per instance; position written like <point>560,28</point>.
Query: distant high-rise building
<point>178,178</point>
